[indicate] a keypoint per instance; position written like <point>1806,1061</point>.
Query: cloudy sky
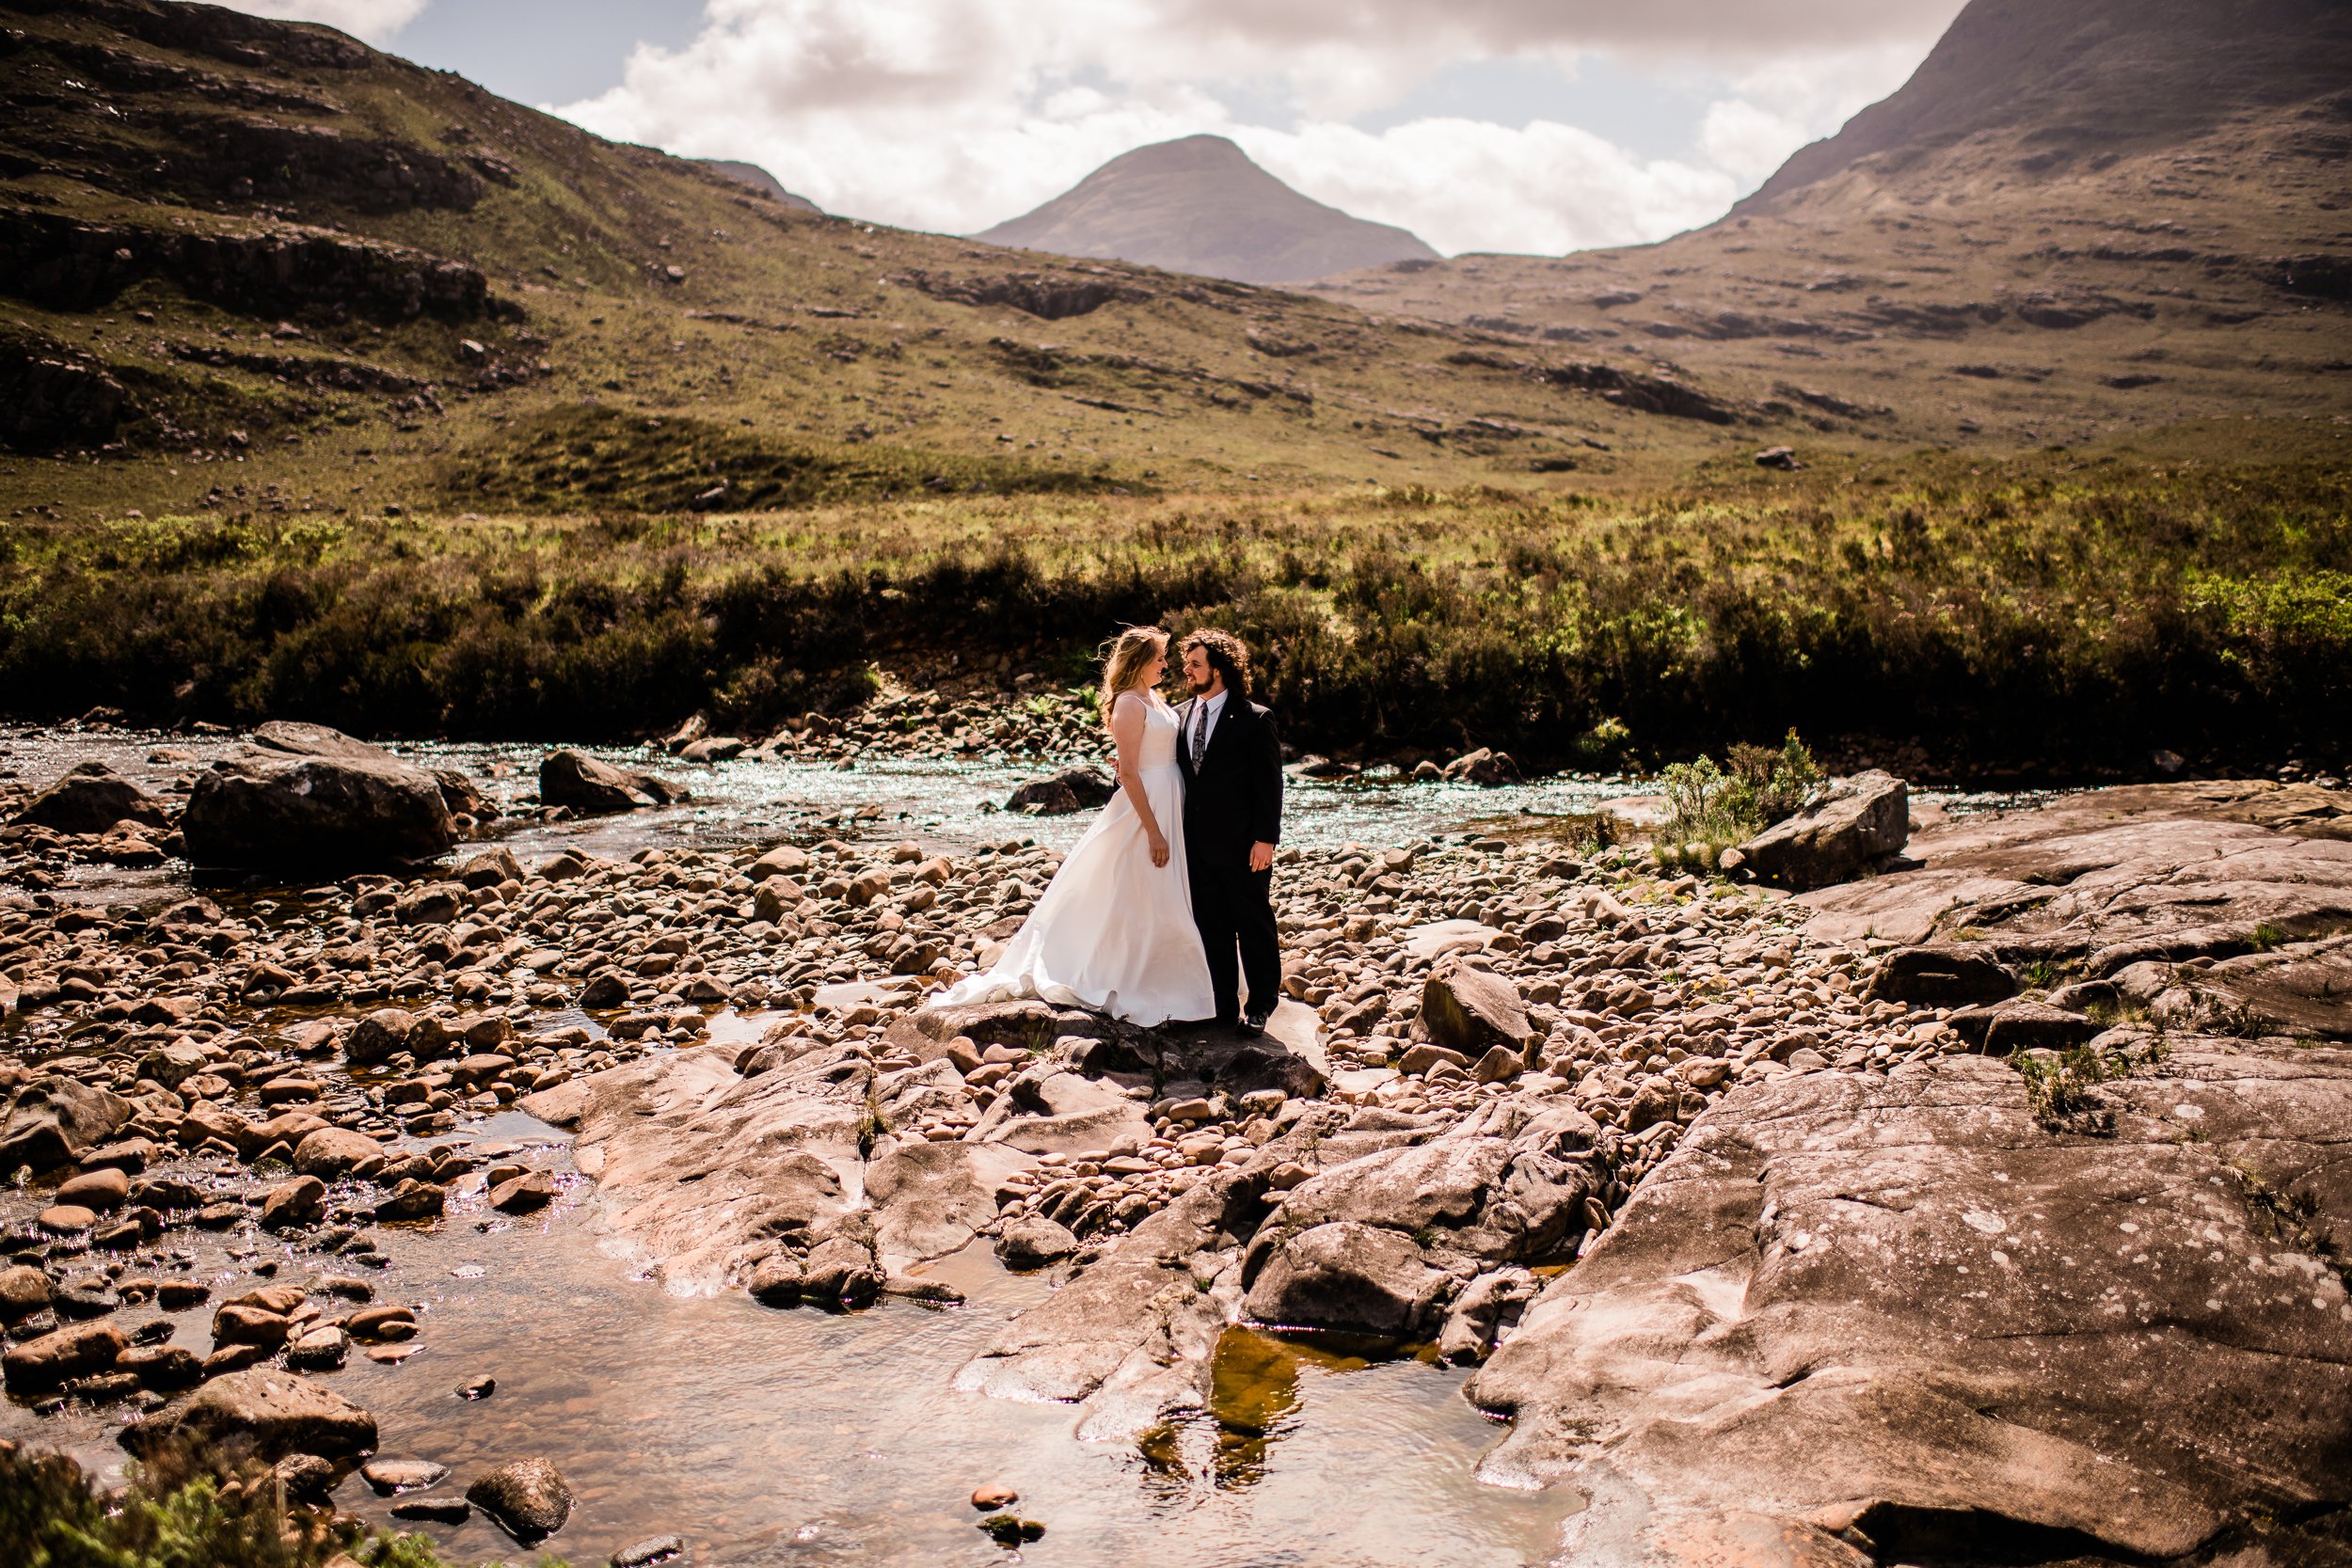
<point>1525,125</point>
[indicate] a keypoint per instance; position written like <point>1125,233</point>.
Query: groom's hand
<point>1261,856</point>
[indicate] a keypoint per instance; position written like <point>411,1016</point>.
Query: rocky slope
<point>2074,217</point>
<point>1200,205</point>
<point>224,238</point>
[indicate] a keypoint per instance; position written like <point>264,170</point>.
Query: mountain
<point>2077,216</point>
<point>243,260</point>
<point>1199,205</point>
<point>759,179</point>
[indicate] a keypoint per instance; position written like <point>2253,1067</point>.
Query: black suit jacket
<point>1233,792</point>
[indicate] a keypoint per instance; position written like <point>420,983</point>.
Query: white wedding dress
<point>1113,932</point>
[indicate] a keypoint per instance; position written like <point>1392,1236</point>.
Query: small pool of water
<point>776,1437</point>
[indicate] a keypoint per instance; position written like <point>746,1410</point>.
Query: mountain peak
<point>2110,73</point>
<point>1199,204</point>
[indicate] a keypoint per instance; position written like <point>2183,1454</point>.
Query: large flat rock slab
<point>1903,1304</point>
<point>2248,878</point>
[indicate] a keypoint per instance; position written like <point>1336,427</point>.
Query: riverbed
<point>766,1437</point>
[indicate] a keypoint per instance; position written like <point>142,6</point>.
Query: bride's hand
<point>1159,849</point>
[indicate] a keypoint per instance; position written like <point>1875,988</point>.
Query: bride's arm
<point>1128,715</point>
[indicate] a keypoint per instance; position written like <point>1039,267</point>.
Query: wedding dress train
<point>1113,932</point>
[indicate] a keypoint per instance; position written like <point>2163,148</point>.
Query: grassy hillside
<point>222,238</point>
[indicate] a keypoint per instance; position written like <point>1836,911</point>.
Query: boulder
<point>1482,766</point>
<point>1074,790</point>
<point>1355,1278</point>
<point>1852,826</point>
<point>269,810</point>
<point>1472,1011</point>
<point>583,783</point>
<point>55,1120</point>
<point>41,1365</point>
<point>1034,1241</point>
<point>294,738</point>
<point>527,1498</point>
<point>103,1190</point>
<point>269,1414</point>
<point>1897,1305</point>
<point>91,798</point>
<point>334,1152</point>
<point>23,1291</point>
<point>379,1036</point>
<point>1940,974</point>
<point>291,1205</point>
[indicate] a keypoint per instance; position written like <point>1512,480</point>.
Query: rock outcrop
<point>1901,1305</point>
<point>2220,904</point>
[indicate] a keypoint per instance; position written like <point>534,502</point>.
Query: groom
<point>1232,764</point>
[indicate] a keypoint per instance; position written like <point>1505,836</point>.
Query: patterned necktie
<point>1201,731</point>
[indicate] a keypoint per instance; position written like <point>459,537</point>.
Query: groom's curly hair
<point>1227,655</point>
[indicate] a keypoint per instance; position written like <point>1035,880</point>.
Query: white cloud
<point>953,115</point>
<point>376,20</point>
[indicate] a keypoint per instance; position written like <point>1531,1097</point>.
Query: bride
<point>1114,931</point>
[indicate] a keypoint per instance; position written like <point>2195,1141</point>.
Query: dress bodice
<point>1159,734</point>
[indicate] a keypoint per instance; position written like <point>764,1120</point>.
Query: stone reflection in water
<point>1254,1399</point>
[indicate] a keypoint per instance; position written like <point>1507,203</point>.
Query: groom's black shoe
<point>1254,1023</point>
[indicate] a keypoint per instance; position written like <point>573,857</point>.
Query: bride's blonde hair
<point>1128,653</point>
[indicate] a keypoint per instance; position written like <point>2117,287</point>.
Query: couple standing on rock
<point>1174,883</point>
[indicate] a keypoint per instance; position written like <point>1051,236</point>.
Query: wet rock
<point>1033,1241</point>
<point>390,1321</point>
<point>245,1324</point>
<point>65,1218</point>
<point>437,1511</point>
<point>293,1204</point>
<point>527,1498</point>
<point>318,1350</point>
<point>1075,789</point>
<point>164,1369</point>
<point>333,1153</point>
<point>104,1191</point>
<point>775,1281</point>
<point>1850,828</point>
<point>1484,765</point>
<point>413,1199</point>
<point>644,1554</point>
<point>80,1350</point>
<point>2134,1353</point>
<point>840,1273</point>
<point>391,1476</point>
<point>54,1120</point>
<point>1472,1011</point>
<point>521,1194</point>
<point>91,798</point>
<point>23,1291</point>
<point>1487,1308</point>
<point>269,1414</point>
<point>312,813</point>
<point>993,1496</point>
<point>581,783</point>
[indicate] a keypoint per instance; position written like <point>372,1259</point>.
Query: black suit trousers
<point>1234,906</point>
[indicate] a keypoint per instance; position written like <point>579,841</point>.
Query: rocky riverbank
<point>1513,1092</point>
